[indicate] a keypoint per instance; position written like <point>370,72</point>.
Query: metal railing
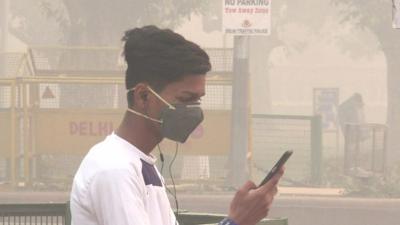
<point>189,218</point>
<point>59,214</point>
<point>365,149</point>
<point>58,119</point>
<point>35,214</point>
<point>9,123</point>
<point>14,64</point>
<point>103,60</point>
<point>273,134</point>
<point>83,109</point>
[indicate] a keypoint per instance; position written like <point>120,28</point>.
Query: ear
<point>140,95</point>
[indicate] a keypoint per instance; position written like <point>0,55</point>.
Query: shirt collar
<point>151,159</point>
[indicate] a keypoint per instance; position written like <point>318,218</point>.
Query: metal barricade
<point>103,61</point>
<point>8,127</point>
<point>35,214</point>
<point>60,120</point>
<point>189,218</point>
<point>59,214</point>
<point>274,134</point>
<point>365,149</point>
<point>14,64</point>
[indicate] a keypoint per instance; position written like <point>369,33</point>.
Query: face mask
<point>177,121</point>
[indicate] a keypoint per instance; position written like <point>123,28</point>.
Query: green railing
<point>35,214</point>
<point>273,134</point>
<point>59,214</point>
<point>189,218</point>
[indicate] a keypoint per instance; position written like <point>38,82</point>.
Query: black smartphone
<point>286,155</point>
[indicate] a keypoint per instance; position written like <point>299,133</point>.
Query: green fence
<point>365,149</point>
<point>203,218</point>
<point>59,214</point>
<point>35,214</point>
<point>274,134</point>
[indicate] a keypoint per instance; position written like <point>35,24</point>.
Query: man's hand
<point>251,204</point>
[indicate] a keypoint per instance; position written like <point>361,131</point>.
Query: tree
<point>376,16</point>
<point>97,22</point>
<point>90,23</point>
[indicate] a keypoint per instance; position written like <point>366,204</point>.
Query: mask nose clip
<point>162,99</point>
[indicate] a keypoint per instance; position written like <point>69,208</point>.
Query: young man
<point>117,182</point>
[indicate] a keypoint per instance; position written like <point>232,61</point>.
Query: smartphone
<point>286,155</point>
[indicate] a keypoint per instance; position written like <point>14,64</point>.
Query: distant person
<point>117,182</point>
<point>351,119</point>
<point>351,112</point>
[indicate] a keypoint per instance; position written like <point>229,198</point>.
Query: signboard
<point>75,132</point>
<point>72,132</point>
<point>49,96</point>
<point>5,137</point>
<point>246,17</point>
<point>396,14</point>
<point>326,101</point>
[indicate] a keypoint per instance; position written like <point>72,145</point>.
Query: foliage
<point>101,22</point>
<point>366,14</point>
<point>375,185</point>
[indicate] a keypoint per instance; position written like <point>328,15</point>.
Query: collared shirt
<point>117,184</point>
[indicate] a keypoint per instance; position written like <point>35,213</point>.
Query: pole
<point>238,171</point>
<point>4,5</point>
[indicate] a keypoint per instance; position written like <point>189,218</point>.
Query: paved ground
<point>301,210</point>
<point>312,210</point>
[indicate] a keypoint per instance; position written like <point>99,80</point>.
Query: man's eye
<point>181,100</point>
<point>185,100</point>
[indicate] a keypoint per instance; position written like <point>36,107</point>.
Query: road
<point>300,210</point>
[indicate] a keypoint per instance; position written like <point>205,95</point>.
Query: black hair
<point>160,56</point>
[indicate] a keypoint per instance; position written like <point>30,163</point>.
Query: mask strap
<point>142,115</point>
<point>159,97</point>
<point>131,89</point>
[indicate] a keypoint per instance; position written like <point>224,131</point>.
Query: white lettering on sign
<point>230,2</point>
<point>90,128</point>
<point>253,2</point>
<point>246,17</point>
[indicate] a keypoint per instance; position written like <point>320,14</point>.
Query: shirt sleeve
<point>117,198</point>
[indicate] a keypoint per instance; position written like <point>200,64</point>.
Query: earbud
<point>161,157</point>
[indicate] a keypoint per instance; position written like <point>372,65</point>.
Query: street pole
<point>238,170</point>
<point>396,14</point>
<point>4,6</point>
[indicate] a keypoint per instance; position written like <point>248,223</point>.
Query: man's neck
<point>134,130</point>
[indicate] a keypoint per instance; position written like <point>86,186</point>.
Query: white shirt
<point>117,184</point>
